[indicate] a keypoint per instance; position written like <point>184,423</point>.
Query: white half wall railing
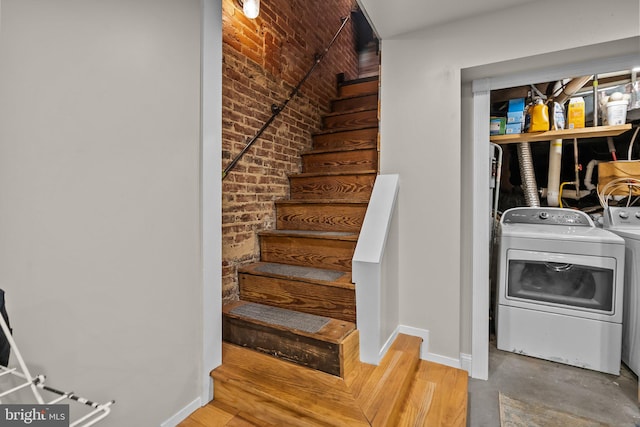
<point>376,318</point>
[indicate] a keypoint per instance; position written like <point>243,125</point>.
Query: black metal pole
<point>277,109</point>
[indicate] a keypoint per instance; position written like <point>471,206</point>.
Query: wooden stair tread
<point>317,342</point>
<point>323,174</point>
<point>359,377</point>
<point>240,419</point>
<point>263,409</point>
<point>358,86</point>
<point>349,119</point>
<point>417,407</point>
<point>207,416</point>
<point>382,395</point>
<point>337,150</point>
<point>323,292</point>
<point>350,97</point>
<point>345,159</point>
<point>320,202</point>
<point>438,396</point>
<point>218,414</point>
<point>306,274</point>
<point>366,137</point>
<point>343,129</point>
<point>310,248</point>
<point>334,331</point>
<point>358,81</point>
<point>311,234</point>
<point>290,386</point>
<point>351,101</point>
<point>350,111</point>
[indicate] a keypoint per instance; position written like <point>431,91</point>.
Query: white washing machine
<point>560,288</point>
<point>625,222</point>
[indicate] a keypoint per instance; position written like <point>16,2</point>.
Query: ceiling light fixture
<point>250,8</point>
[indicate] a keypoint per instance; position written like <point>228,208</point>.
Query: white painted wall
<point>421,139</point>
<point>100,198</point>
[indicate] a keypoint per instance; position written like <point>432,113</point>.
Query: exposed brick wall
<point>263,60</point>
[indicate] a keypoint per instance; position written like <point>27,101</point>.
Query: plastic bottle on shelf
<point>539,117</point>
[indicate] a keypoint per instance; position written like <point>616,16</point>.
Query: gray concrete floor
<point>611,399</point>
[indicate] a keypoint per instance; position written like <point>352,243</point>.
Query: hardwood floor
<point>254,389</point>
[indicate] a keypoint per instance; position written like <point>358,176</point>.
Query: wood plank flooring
<point>254,389</point>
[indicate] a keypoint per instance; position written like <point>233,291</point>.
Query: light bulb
<point>251,8</point>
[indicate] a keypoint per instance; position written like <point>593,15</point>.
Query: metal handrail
<point>277,109</point>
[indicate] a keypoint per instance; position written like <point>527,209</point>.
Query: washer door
<point>571,284</point>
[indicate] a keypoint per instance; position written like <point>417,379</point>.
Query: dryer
<point>625,222</point>
<point>560,288</point>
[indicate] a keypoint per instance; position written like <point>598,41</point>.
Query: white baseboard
<point>182,414</point>
<point>463,363</point>
<point>444,360</point>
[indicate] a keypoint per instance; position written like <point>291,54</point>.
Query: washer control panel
<point>549,216</point>
<point>623,217</point>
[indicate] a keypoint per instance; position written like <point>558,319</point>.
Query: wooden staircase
<point>304,273</point>
<point>291,350</point>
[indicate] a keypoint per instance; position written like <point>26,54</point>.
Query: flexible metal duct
<point>527,174</point>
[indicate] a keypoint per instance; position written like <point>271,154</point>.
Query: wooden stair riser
<point>345,161</point>
<point>360,88</point>
<point>351,187</point>
<point>312,298</point>
<point>308,252</point>
<point>286,345</point>
<point>330,216</point>
<point>369,101</point>
<point>268,411</point>
<point>355,138</point>
<point>352,119</point>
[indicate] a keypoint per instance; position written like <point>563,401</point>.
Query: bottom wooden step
<point>317,342</point>
<point>251,388</point>
<point>280,393</point>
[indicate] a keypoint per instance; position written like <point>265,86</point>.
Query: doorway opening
<point>478,83</point>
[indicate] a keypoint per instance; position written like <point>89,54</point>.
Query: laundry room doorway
<point>477,84</point>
